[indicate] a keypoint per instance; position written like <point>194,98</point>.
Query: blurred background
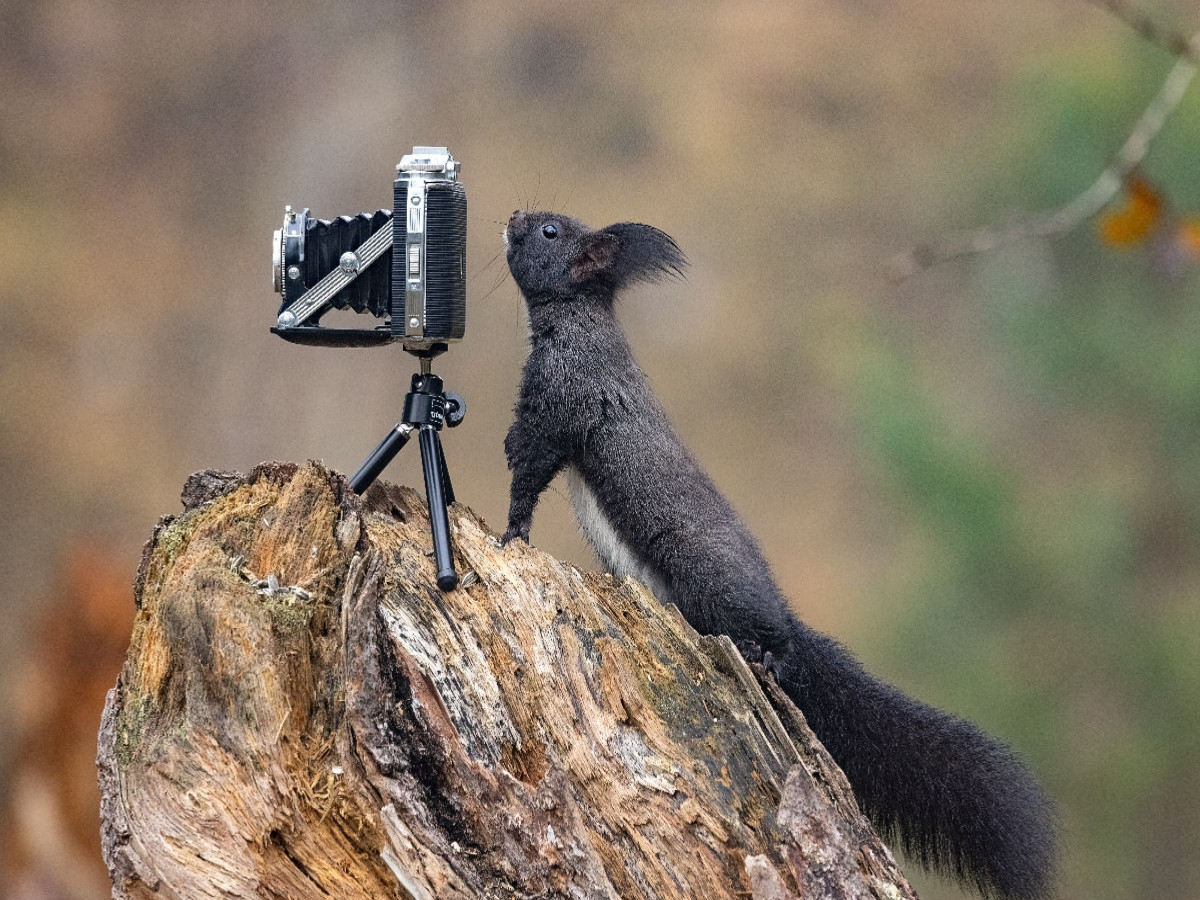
<point>985,479</point>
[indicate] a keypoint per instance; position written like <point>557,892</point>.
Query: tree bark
<point>303,714</point>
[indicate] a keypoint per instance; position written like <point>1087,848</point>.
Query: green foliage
<point>1083,563</point>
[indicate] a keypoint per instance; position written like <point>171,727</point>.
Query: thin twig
<point>1172,41</point>
<point>1066,218</point>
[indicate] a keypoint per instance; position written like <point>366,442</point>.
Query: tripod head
<point>427,404</point>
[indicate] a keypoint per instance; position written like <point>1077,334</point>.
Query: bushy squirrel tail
<point>960,801</point>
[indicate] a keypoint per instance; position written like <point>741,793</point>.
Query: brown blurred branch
<point>1064,219</point>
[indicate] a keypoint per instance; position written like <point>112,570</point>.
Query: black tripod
<point>426,409</point>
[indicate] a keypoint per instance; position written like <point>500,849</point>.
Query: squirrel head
<point>557,258</point>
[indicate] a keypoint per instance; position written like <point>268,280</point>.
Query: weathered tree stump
<point>303,714</point>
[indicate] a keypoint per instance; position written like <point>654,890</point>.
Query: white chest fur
<point>614,553</point>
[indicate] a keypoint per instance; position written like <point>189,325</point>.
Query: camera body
<point>406,266</point>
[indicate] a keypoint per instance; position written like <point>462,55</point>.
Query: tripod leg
<point>380,457</point>
<point>447,487</point>
<point>435,496</point>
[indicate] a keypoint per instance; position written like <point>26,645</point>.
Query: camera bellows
<point>325,240</point>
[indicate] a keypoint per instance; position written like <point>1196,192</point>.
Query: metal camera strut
<point>426,408</point>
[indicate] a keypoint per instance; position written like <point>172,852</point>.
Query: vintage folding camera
<point>405,266</point>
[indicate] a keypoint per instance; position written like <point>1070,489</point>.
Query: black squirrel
<point>960,801</point>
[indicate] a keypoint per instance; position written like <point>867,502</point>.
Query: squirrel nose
<point>513,218</point>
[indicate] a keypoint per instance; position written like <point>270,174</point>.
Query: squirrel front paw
<point>516,531</point>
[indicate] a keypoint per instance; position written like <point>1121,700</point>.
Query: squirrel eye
<point>550,231</point>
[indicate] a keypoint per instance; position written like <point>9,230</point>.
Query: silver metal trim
<point>414,239</point>
<point>277,261</point>
<point>292,233</point>
<point>431,160</point>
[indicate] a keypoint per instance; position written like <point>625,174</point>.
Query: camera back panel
<point>443,258</point>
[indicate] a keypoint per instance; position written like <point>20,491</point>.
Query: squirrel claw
<point>774,665</point>
<point>750,650</point>
<point>754,653</point>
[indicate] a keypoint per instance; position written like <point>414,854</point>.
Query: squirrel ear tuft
<point>626,253</point>
<point>595,257</point>
<point>645,254</point>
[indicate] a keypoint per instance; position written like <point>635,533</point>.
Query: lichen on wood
<point>302,713</point>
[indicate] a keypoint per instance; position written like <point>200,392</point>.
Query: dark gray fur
<point>959,800</point>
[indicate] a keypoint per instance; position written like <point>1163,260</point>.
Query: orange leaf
<point>1130,223</point>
